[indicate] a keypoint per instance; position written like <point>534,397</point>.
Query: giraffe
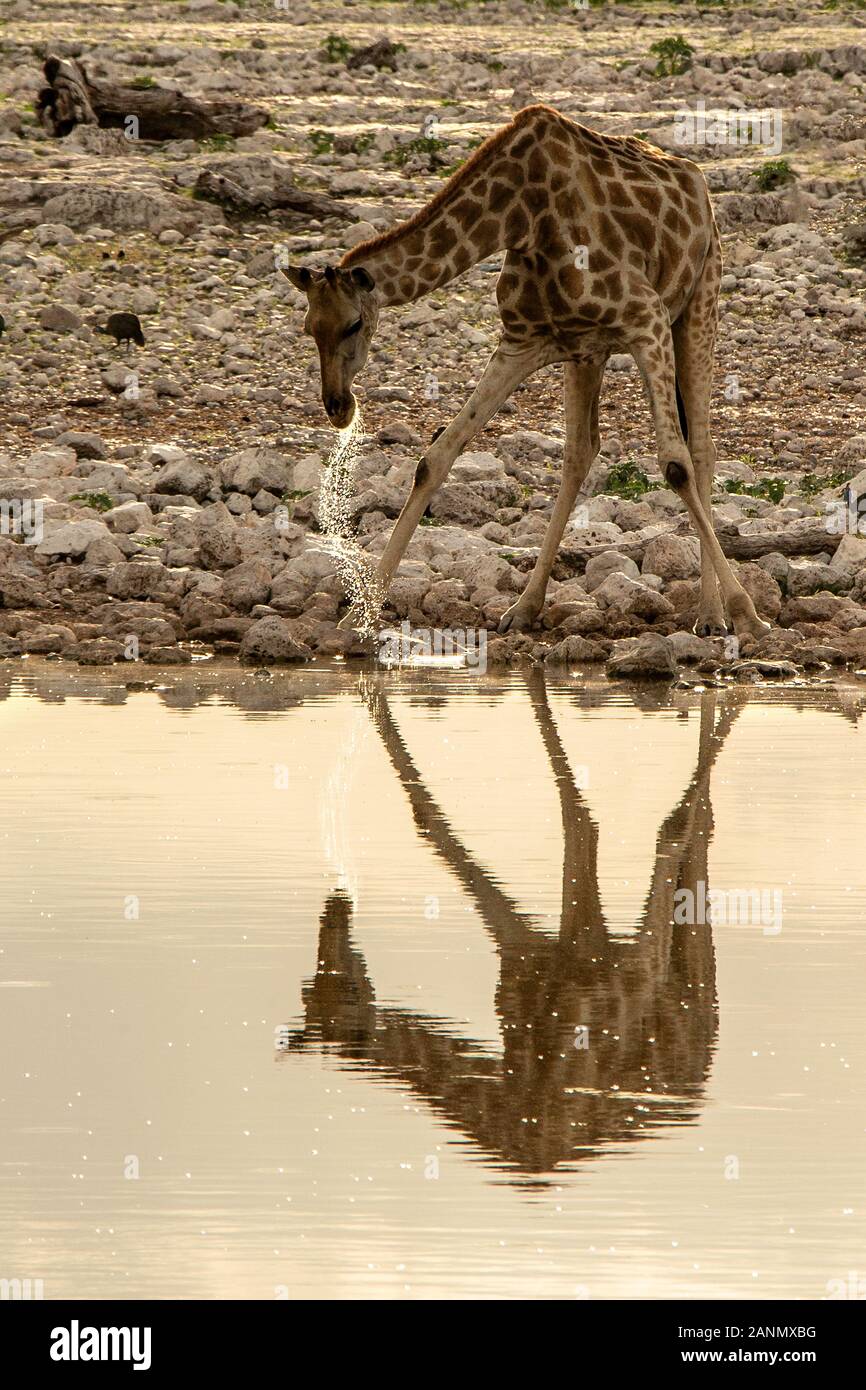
<point>649,1000</point>
<point>610,246</point>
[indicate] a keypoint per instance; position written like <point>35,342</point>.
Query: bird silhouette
<point>123,328</point>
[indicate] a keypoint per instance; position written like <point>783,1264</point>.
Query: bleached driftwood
<point>809,539</point>
<point>71,99</point>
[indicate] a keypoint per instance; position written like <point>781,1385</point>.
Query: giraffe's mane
<point>448,189</point>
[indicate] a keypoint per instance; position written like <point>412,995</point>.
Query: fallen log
<point>808,539</point>
<point>284,196</point>
<point>161,113</point>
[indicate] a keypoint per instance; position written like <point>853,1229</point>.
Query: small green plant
<point>627,480</point>
<point>769,489</point>
<point>449,169</point>
<point>99,501</point>
<point>289,499</point>
<point>812,483</point>
<point>218,143</point>
<point>142,83</point>
<point>425,144</point>
<point>773,174</point>
<point>322,141</point>
<point>336,49</point>
<point>674,56</point>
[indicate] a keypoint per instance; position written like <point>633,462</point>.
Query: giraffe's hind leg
<point>653,350</point>
<point>582,387</point>
<point>694,335</point>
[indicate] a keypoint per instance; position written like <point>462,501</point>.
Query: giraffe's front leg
<point>523,613</point>
<point>582,387</point>
<point>506,369</point>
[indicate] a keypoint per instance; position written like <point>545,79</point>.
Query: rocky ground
<point>178,483</point>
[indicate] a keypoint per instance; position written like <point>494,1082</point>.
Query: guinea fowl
<point>124,328</point>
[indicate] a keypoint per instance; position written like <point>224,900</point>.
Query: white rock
<point>610,562</point>
<point>129,517</point>
<point>850,554</point>
<point>672,557</point>
<point>73,538</point>
<point>164,453</point>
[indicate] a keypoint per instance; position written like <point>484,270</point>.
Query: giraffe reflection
<point>648,1001</point>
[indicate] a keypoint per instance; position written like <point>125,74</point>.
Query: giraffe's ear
<point>299,276</point>
<point>361,279</point>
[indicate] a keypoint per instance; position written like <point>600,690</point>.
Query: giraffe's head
<point>341,318</point>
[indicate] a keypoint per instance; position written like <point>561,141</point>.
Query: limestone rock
<point>642,658</point>
<point>271,641</point>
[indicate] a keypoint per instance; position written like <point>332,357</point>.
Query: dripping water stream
<point>354,565</point>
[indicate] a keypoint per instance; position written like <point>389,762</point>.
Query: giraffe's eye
<point>350,332</point>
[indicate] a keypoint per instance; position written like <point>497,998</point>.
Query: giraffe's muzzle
<point>340,410</point>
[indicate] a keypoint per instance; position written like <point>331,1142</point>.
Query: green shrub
<point>322,141</point>
<point>770,489</point>
<point>773,174</point>
<point>218,142</point>
<point>628,480</point>
<point>674,56</point>
<point>425,144</point>
<point>99,501</point>
<point>336,49</point>
<point>812,483</point>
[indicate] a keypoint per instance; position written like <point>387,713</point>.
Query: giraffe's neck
<point>481,210</point>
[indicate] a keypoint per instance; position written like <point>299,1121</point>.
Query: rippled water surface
<point>322,983</point>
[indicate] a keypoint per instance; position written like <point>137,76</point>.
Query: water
<point>295,967</point>
<point>354,565</point>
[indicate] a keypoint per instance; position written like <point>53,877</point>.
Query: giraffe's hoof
<point>710,625</point>
<point>517,618</point>
<point>751,626</point>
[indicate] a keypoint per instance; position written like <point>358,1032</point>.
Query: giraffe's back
<point>607,218</point>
